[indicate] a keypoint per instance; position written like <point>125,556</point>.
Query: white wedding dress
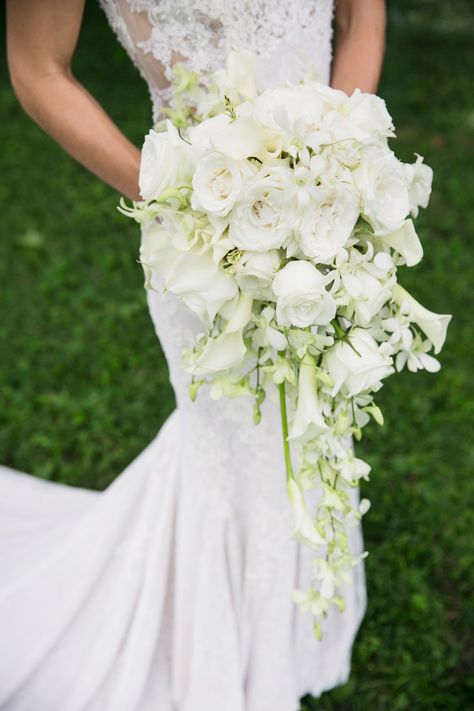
<point>172,589</point>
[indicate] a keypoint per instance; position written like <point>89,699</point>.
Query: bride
<point>171,589</point>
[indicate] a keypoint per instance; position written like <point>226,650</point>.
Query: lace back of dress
<point>287,36</point>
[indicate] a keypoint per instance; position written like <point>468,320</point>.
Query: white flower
<point>240,315</point>
<point>367,283</point>
<point>352,468</point>
<point>305,530</point>
<point>201,283</point>
<point>302,298</point>
<point>313,602</point>
<point>381,180</point>
<point>416,357</point>
<point>244,138</point>
<point>202,134</point>
<point>166,161</point>
<point>406,242</point>
<point>369,113</point>
<point>255,271</point>
<point>237,80</point>
<point>420,178</point>
<point>155,251</point>
<point>328,222</point>
<point>358,366</point>
<point>289,109</point>
<point>364,506</point>
<point>219,353</point>
<point>217,183</point>
<point>264,216</point>
<point>433,325</point>
<point>308,416</point>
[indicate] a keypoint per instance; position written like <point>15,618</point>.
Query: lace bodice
<point>286,35</point>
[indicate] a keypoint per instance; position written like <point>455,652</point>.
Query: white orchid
<point>416,357</point>
<point>357,364</point>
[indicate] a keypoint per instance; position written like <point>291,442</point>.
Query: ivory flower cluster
<point>280,218</point>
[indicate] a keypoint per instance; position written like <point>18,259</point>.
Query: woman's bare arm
<point>359,46</point>
<point>41,39</point>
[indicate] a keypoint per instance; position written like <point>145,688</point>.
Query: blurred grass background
<point>84,387</point>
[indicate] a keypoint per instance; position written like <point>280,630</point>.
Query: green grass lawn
<point>84,386</point>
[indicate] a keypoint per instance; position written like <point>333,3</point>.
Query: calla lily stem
<point>284,426</point>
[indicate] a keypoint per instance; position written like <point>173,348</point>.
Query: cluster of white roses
<point>280,219</point>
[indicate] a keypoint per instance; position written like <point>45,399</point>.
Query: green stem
<point>284,427</point>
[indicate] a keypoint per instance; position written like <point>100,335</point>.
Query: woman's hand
<point>41,39</point>
<point>359,45</point>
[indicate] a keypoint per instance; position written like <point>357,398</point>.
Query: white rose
<point>197,232</point>
<point>359,366</point>
<point>328,222</point>
<point>419,177</point>
<point>264,216</point>
<point>217,183</point>
<point>255,271</point>
<point>297,114</point>
<point>433,325</point>
<point>302,298</point>
<point>280,109</point>
<point>166,161</point>
<point>382,183</point>
<point>369,113</point>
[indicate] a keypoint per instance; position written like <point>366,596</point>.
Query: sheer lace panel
<point>286,36</point>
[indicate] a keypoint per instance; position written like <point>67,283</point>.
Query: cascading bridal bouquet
<point>280,219</point>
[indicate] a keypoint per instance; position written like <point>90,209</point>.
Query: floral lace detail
<point>287,37</point>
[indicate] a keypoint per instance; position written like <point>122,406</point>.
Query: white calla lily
<point>243,138</point>
<point>237,80</point>
<point>308,414</point>
<point>305,529</point>
<point>241,315</point>
<point>432,324</point>
<point>406,242</point>
<point>220,353</point>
